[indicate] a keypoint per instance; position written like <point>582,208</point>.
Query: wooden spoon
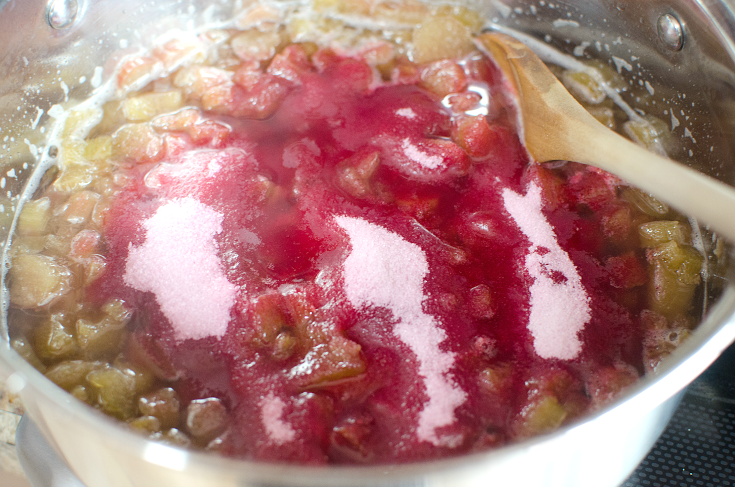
<point>557,128</point>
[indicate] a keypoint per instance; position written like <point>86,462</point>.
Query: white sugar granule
<point>406,113</point>
<point>384,270</point>
<point>559,307</point>
<point>178,262</point>
<point>428,161</point>
<point>271,415</point>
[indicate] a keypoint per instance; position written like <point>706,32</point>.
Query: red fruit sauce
<point>375,273</point>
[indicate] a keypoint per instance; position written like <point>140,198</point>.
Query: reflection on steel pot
<point>679,64</point>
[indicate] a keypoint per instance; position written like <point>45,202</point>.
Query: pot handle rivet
<point>671,32</point>
<point>62,13</point>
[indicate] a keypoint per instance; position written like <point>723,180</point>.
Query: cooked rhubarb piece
<point>660,232</point>
<point>146,424</point>
<point>162,404</point>
<point>34,217</point>
<point>72,373</point>
<point>115,391</point>
<point>37,280</point>
<point>206,418</point>
<point>144,107</point>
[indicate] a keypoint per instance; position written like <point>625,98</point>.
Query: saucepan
<point>678,61</point>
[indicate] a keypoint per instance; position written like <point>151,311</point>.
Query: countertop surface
<point>11,474</point>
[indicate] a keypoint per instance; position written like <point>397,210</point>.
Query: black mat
<point>698,446</point>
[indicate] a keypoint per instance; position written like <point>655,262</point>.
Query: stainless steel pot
<point>679,60</point>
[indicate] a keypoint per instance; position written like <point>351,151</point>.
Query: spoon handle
<point>689,191</point>
<point>555,127</point>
